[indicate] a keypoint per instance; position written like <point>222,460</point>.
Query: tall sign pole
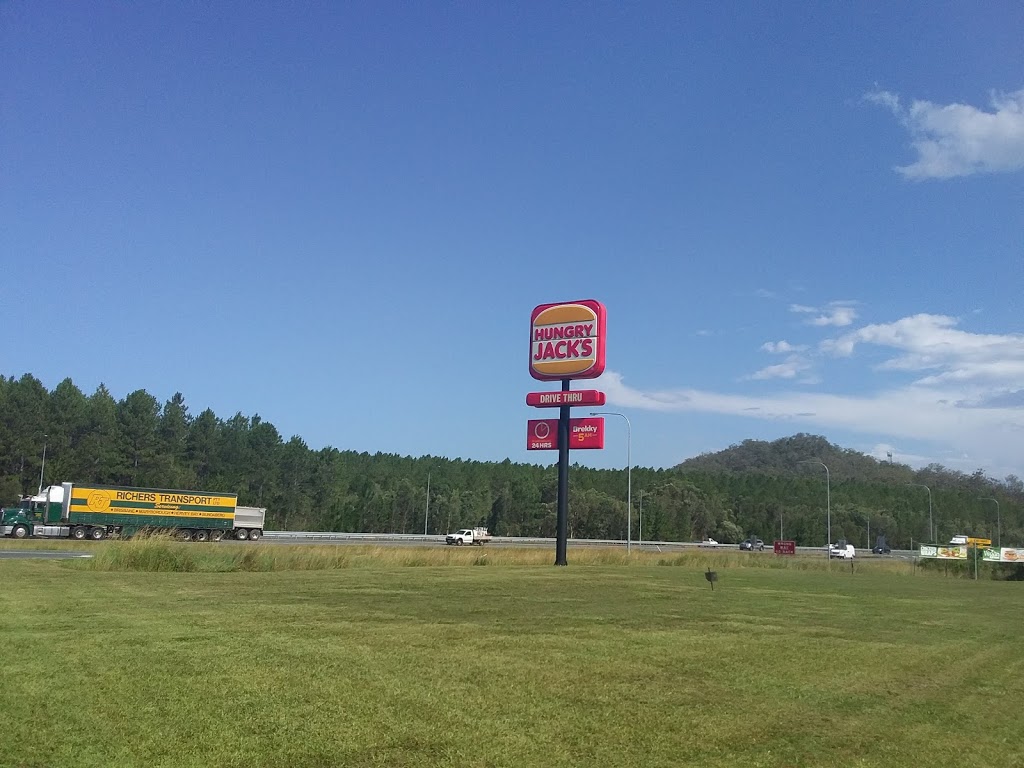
<point>562,527</point>
<point>567,341</point>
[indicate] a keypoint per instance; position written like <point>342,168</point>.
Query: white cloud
<point>837,313</point>
<point>959,139</point>
<point>932,342</point>
<point>960,392</point>
<point>785,370</point>
<point>839,316</point>
<point>781,347</point>
<point>914,413</point>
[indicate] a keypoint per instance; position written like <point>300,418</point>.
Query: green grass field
<point>420,658</point>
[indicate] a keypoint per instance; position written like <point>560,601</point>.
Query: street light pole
<point>641,542</point>
<point>426,515</point>
<point>629,475</point>
<point>999,528</point>
<point>828,503</point>
<point>931,526</point>
<point>43,467</point>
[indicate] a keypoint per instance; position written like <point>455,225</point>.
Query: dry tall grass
<point>160,553</point>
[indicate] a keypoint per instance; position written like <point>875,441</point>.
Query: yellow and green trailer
<point>98,511</point>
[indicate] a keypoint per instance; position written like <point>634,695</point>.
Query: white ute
<point>842,551</point>
<point>468,536</point>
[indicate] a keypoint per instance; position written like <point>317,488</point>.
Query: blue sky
<point>340,215</point>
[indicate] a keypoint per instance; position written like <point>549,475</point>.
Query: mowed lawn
<point>526,665</point>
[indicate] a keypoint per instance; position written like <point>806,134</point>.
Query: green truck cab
<point>97,511</point>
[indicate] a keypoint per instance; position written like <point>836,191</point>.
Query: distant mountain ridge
<point>784,457</point>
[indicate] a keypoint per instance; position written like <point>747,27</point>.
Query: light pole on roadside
<point>629,475</point>
<point>828,503</point>
<point>931,526</point>
<point>43,467</point>
<point>999,528</point>
<point>426,514</point>
<point>641,542</point>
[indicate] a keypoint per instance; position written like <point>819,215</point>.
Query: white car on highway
<point>842,551</point>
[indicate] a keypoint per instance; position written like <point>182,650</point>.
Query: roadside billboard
<point>1003,555</point>
<point>947,552</point>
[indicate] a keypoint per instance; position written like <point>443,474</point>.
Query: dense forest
<point>752,489</point>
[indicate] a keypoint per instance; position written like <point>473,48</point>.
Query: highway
<point>41,554</point>
<point>418,539</point>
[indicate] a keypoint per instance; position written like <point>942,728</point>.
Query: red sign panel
<point>574,397</point>
<point>542,434</point>
<point>785,547</point>
<point>567,340</point>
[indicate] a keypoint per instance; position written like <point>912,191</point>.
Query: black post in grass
<point>712,577</point>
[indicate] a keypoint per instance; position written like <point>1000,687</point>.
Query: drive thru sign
<point>570,397</point>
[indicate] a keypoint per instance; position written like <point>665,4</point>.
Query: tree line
<point>752,489</point>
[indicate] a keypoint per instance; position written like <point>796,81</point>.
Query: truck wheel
<point>20,532</point>
<point>201,535</point>
<point>78,532</point>
<point>216,535</point>
<point>241,534</point>
<point>96,534</point>
<point>183,534</point>
<point>254,534</point>
<point>458,542</point>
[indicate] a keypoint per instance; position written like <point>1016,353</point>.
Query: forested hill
<point>754,488</point>
<point>784,457</point>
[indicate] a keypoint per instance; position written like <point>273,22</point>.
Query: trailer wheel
<point>96,534</point>
<point>241,534</point>
<point>254,534</point>
<point>183,534</point>
<point>78,532</point>
<point>216,535</point>
<point>201,535</point>
<point>20,532</point>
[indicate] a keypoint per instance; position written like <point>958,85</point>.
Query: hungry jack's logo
<point>567,340</point>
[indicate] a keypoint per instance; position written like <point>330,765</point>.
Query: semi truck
<point>98,511</point>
